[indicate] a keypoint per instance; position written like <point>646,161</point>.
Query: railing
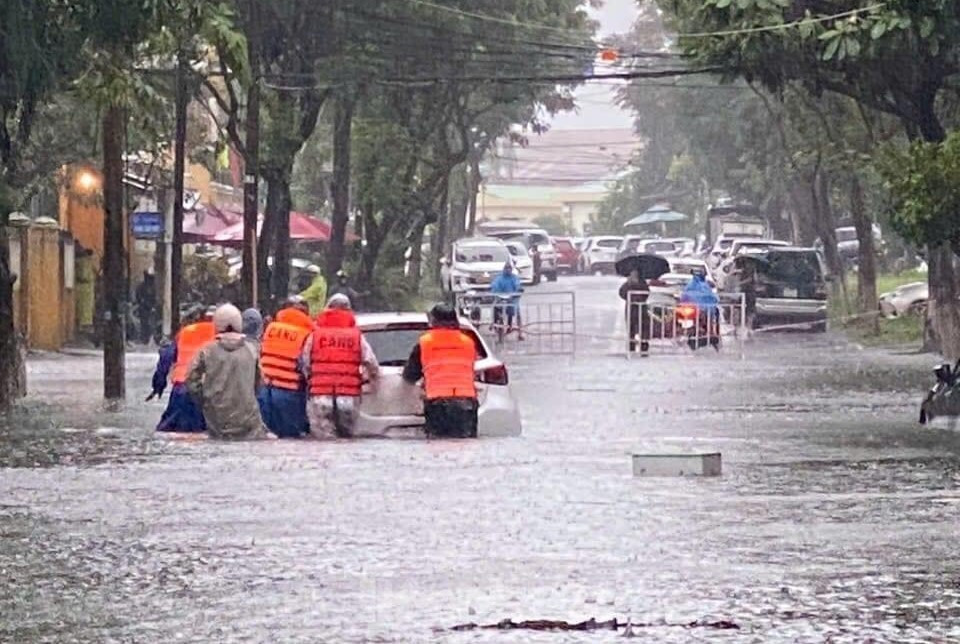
<point>655,321</point>
<point>542,323</point>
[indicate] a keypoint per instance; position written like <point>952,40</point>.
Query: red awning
<point>205,222</point>
<point>303,227</point>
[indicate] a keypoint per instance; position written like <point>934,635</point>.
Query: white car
<point>909,298</point>
<point>539,239</point>
<point>740,246</point>
<point>393,408</point>
<point>476,263</point>
<point>689,265</point>
<point>600,254</point>
<point>522,262</point>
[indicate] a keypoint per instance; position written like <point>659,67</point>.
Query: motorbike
<point>469,305</point>
<point>700,327</point>
<point>940,400</point>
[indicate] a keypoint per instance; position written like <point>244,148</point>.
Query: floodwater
<point>834,520</point>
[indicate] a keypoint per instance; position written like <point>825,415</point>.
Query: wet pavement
<point>835,518</point>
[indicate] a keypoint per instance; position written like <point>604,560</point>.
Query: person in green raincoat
<point>315,294</point>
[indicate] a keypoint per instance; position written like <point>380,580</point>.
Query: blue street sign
<point>147,225</point>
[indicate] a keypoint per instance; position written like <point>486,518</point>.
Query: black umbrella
<point>649,266</point>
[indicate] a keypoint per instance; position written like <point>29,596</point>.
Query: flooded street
<point>835,518</point>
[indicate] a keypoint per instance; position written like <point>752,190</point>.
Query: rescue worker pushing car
<point>182,413</point>
<point>334,359</point>
<point>283,398</point>
<point>444,358</point>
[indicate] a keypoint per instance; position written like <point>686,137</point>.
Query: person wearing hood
<point>182,413</point>
<point>315,294</point>
<point>224,378</point>
<point>509,286</point>
<point>253,328</point>
<point>283,398</point>
<point>335,357</point>
<point>342,287</point>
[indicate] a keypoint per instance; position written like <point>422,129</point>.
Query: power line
<point>488,18</point>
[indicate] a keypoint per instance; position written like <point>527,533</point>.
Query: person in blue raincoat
<point>182,413</point>
<point>700,294</point>
<point>507,283</point>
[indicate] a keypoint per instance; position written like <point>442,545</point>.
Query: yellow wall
<point>44,295</point>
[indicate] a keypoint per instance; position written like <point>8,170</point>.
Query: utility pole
<point>251,172</point>
<point>114,269</point>
<point>179,163</point>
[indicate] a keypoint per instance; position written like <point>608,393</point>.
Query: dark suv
<point>784,286</point>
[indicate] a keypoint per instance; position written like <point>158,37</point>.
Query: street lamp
<point>87,181</point>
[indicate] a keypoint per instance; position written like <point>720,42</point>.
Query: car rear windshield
<point>793,268</point>
<point>660,247</point>
<point>392,345</point>
<point>563,244</point>
<point>608,243</point>
<point>489,253</point>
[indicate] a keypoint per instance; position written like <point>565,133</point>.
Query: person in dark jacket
<point>146,296</point>
<point>444,359</point>
<point>638,318</point>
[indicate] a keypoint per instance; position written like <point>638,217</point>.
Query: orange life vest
<point>336,355</point>
<point>448,357</point>
<point>190,340</point>
<point>282,345</point>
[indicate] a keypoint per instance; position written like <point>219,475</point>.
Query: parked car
<point>742,247</point>
<point>522,262</point>
<point>848,245</point>
<point>634,244</point>
<point>686,246</point>
<point>784,286</point>
<point>600,254</point>
<point>476,262</point>
<point>568,255</point>
<point>906,299</point>
<point>393,408</point>
<point>690,265</point>
<point>721,248</point>
<point>537,241</point>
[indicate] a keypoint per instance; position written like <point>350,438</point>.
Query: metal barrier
<point>657,321</point>
<point>546,324</point>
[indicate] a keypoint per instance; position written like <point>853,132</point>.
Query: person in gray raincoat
<point>223,379</point>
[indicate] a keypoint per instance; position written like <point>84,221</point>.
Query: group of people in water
<point>303,376</point>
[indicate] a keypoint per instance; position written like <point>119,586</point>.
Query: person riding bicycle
<point>508,286</point>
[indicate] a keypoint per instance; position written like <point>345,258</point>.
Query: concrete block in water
<point>677,464</point>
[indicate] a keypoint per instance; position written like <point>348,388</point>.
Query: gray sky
<point>595,101</point>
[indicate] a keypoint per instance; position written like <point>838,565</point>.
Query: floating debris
<point>589,625</point>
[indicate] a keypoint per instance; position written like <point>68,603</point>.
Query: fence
<point>655,321</point>
<point>546,324</point>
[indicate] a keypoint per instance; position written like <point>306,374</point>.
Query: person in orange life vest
<point>335,357</point>
<point>182,413</point>
<point>444,358</point>
<point>283,397</point>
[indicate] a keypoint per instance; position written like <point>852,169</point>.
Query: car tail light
<point>686,311</point>
<point>496,375</point>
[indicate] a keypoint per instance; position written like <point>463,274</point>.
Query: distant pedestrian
<point>316,293</point>
<point>343,288</point>
<point>224,378</point>
<point>335,358</point>
<point>444,359</point>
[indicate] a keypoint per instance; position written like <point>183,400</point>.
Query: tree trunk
<point>943,303</point>
<point>827,231</point>
<point>439,242</point>
<point>179,163</point>
<point>279,203</point>
<point>114,269</point>
<point>416,256</point>
<point>9,351</point>
<point>866,256</point>
<point>340,188</point>
<point>474,188</point>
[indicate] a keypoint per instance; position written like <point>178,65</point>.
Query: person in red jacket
<point>334,360</point>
